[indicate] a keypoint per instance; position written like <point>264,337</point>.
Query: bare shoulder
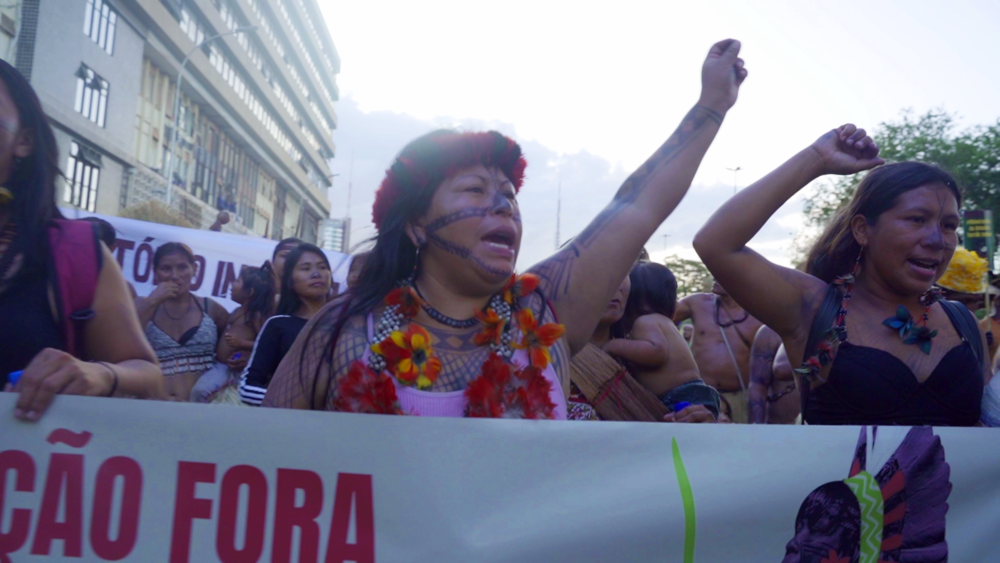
<point>700,301</point>
<point>652,322</point>
<point>216,310</point>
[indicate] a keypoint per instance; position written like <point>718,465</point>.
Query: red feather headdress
<point>431,158</point>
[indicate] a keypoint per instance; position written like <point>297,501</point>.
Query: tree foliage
<point>692,276</point>
<point>972,156</point>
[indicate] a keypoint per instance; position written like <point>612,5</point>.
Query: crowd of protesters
<point>435,322</point>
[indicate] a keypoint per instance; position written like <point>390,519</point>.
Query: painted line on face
<point>455,216</point>
<point>463,252</point>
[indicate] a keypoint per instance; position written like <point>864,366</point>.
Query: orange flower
<point>519,287</point>
<point>537,339</point>
<point>409,356</point>
<point>492,328</point>
<point>406,300</point>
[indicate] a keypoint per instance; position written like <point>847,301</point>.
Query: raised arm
<point>582,277</point>
<point>762,352</point>
<point>771,293</point>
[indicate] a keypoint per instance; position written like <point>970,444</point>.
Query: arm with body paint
<point>581,278</point>
<point>762,352</point>
<point>774,294</point>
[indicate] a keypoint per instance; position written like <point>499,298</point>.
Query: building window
<point>99,22</point>
<point>83,169</point>
<point>91,95</point>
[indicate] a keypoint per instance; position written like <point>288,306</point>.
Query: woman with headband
<point>439,323</point>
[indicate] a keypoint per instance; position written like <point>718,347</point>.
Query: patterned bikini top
<point>194,353</point>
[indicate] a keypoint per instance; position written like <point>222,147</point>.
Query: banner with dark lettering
<point>126,480</point>
<point>219,256</point>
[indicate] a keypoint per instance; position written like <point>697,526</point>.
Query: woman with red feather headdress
<point>439,324</point>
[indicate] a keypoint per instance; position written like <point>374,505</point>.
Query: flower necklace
<point>910,331</point>
<point>404,350</point>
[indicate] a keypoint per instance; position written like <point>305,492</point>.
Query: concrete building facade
<point>256,117</point>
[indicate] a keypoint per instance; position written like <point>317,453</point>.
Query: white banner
<point>219,256</point>
<point>103,479</point>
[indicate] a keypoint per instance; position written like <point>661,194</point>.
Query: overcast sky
<point>591,92</point>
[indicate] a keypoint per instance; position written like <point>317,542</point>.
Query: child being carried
<point>648,341</point>
<point>254,291</point>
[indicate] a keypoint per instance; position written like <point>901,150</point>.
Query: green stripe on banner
<point>687,497</point>
<point>866,488</point>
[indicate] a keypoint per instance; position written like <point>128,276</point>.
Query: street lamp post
<point>177,104</point>
<point>735,171</point>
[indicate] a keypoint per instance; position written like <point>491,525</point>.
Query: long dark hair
<point>33,179</point>
<point>404,196</point>
<point>654,290</point>
<point>261,282</point>
<point>290,301</point>
<point>834,253</point>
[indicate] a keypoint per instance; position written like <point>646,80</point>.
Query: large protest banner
<point>116,479</point>
<point>219,256</point>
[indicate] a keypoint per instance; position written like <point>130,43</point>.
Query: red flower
<point>485,393</point>
<point>499,393</point>
<point>364,391</point>
<point>833,558</point>
<point>519,287</point>
<point>492,328</point>
<point>406,300</point>
<point>537,339</point>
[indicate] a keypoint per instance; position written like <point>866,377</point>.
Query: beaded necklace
<point>441,317</point>
<point>910,331</point>
<point>403,349</point>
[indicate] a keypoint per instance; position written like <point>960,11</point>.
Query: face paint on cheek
<point>463,252</point>
<point>455,216</point>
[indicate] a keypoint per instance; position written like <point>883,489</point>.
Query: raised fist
<point>847,150</point>
<point>721,76</point>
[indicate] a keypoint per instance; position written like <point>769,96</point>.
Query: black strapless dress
<point>871,386</point>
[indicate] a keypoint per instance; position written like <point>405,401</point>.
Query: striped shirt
<point>275,338</point>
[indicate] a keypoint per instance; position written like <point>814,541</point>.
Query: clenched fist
<point>846,150</point>
<point>721,76</point>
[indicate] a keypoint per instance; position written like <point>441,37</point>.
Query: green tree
<point>692,276</point>
<point>972,156</point>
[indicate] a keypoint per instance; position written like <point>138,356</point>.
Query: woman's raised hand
<point>721,76</point>
<point>847,150</point>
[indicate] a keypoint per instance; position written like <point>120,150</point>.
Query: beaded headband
<point>429,160</point>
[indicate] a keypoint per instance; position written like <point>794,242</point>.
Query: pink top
<point>453,403</point>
